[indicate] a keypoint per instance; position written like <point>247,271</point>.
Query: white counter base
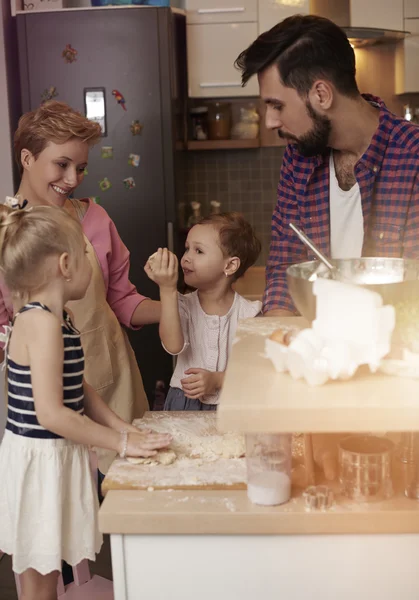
<point>262,567</point>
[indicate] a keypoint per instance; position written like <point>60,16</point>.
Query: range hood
<point>368,36</point>
<point>339,11</point>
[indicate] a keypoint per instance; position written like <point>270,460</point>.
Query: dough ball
<point>152,259</point>
<point>163,457</point>
<point>140,460</point>
<point>166,457</point>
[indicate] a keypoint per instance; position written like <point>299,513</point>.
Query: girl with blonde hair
<point>51,147</point>
<point>48,503</point>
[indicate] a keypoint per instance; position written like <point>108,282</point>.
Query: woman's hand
<point>145,444</point>
<point>162,268</point>
<point>201,383</point>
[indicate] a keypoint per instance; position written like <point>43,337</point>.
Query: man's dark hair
<point>304,48</point>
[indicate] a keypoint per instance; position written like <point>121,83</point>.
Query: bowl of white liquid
<point>268,458</point>
<point>395,279</point>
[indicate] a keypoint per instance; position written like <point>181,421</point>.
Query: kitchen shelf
<point>231,513</point>
<point>255,398</point>
<point>223,144</point>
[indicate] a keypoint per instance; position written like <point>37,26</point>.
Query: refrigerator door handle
<point>170,240</point>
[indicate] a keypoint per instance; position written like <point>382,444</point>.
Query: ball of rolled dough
<point>152,259</point>
<point>163,457</point>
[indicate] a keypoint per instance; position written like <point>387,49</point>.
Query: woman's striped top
<point>21,415</point>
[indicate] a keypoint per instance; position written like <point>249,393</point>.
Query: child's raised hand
<point>162,268</point>
<point>145,444</point>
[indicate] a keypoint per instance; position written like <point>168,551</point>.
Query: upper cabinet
<point>221,11</point>
<point>272,12</point>
<point>411,9</point>
<point>212,50</point>
<point>407,51</point>
<point>217,31</point>
<point>380,14</point>
<point>407,59</point>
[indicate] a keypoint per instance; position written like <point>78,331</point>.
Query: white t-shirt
<point>346,219</point>
<point>208,338</point>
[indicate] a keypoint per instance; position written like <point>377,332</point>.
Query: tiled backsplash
<point>242,180</point>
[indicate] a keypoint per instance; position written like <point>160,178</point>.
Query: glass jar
<point>196,214</point>
<point>215,207</point>
<point>247,128</point>
<point>365,467</point>
<point>268,459</point>
<point>199,120</point>
<point>219,121</point>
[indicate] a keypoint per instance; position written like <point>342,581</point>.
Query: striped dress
<point>21,416</point>
<point>48,502</point>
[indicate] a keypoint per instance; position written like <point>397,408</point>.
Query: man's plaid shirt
<point>388,178</point>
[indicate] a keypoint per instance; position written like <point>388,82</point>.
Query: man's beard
<point>314,141</point>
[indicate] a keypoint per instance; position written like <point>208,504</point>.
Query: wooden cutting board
<point>186,473</point>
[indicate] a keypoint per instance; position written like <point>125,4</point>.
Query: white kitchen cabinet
<point>385,14</point>
<point>407,57</point>
<point>271,13</point>
<point>411,9</point>
<point>221,11</point>
<point>212,50</point>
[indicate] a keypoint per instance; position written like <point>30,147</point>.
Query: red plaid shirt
<point>388,178</point>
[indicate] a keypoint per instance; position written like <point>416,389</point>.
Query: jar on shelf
<point>219,121</point>
<point>199,121</point>
<point>247,128</point>
<point>215,207</point>
<point>196,214</point>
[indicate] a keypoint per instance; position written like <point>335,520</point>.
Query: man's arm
<point>285,249</point>
<point>411,238</point>
<point>279,312</point>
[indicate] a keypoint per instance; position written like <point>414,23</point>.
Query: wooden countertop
<point>255,398</point>
<point>221,512</point>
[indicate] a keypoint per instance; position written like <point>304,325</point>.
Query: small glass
<point>365,467</point>
<point>268,458</point>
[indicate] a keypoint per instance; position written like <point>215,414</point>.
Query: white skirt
<point>48,503</point>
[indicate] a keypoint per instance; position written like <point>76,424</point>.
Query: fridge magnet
<point>134,160</point>
<point>96,199</point>
<point>107,152</point>
<point>49,94</point>
<point>129,183</point>
<point>85,172</point>
<point>105,184</point>
<point>69,54</point>
<point>119,98</point>
<point>136,127</point>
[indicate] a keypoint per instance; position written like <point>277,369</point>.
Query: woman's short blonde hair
<point>28,238</point>
<point>52,122</point>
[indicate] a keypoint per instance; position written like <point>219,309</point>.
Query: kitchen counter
<point>208,544</point>
<point>186,545</point>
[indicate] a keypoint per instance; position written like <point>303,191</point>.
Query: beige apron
<point>110,364</point>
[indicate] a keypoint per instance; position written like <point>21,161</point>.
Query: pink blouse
<point>113,257</point>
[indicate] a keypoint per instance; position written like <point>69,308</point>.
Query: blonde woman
<point>51,147</point>
<point>48,504</point>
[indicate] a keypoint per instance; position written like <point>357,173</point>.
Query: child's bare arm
<point>46,351</point>
<point>164,271</point>
<point>99,411</point>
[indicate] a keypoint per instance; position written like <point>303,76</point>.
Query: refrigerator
<point>125,68</point>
